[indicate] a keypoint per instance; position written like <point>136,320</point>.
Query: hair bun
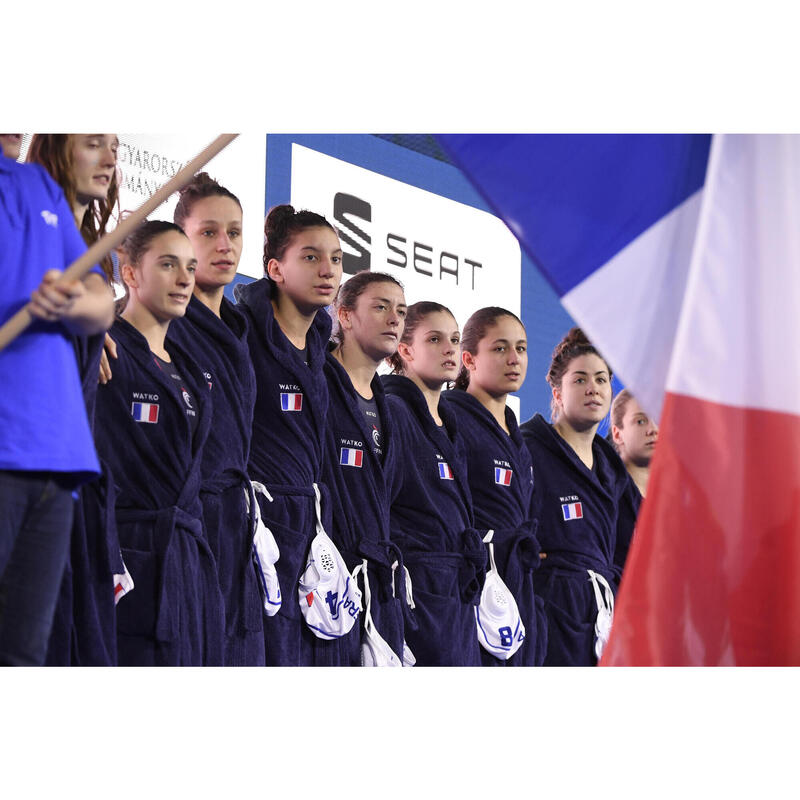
<point>576,336</point>
<point>198,182</point>
<point>199,187</point>
<point>278,217</point>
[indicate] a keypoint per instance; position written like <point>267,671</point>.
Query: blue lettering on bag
<point>331,599</point>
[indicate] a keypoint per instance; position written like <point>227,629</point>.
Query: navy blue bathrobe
<point>174,615</point>
<point>432,523</point>
<point>286,454</point>
<point>501,482</point>
<point>219,346</point>
<point>84,626</point>
<point>574,543</point>
<point>360,501</point>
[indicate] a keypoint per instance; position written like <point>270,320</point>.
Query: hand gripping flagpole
<point>14,326</point>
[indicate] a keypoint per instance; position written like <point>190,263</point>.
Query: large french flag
<point>684,269</point>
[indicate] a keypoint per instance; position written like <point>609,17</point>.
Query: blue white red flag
<point>502,476</point>
<point>611,217</point>
<point>445,473</point>
<point>572,511</point>
<point>145,412</point>
<point>684,270</point>
<point>291,401</point>
<point>351,457</point>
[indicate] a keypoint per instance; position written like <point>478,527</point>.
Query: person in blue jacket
<point>361,445</point>
<point>288,336</point>
<point>214,332</point>
<point>153,419</point>
<point>579,483</point>
<point>634,435</point>
<point>84,626</point>
<point>46,448</point>
<point>431,514</point>
<point>494,352</point>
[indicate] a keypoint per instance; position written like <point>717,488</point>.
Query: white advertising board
<point>439,249</point>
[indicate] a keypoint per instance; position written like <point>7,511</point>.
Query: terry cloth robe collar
<point>445,437</point>
<point>257,297</point>
<point>221,347</point>
<point>255,301</point>
<point>608,474</point>
<point>470,404</point>
<point>140,351</point>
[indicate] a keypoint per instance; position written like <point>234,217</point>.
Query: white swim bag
<point>375,650</point>
<point>500,628</point>
<point>605,612</point>
<point>329,597</point>
<point>265,551</point>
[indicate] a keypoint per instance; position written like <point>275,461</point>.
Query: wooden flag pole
<point>14,326</point>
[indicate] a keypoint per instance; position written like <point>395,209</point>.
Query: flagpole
<point>14,326</point>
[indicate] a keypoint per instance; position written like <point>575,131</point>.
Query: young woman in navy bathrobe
<point>494,362</point>
<point>214,333</point>
<point>288,338</point>
<point>431,513</point>
<point>361,445</point>
<point>84,626</point>
<point>634,435</point>
<point>579,483</point>
<point>153,419</point>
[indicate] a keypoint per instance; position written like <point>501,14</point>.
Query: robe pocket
<point>570,639</point>
<point>445,634</point>
<point>294,547</point>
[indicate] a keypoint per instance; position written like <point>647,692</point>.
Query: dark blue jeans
<point>35,522</point>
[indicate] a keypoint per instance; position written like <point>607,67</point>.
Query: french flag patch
<point>350,457</point>
<point>572,511</point>
<point>445,473</point>
<point>291,401</point>
<point>502,476</point>
<point>145,412</point>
